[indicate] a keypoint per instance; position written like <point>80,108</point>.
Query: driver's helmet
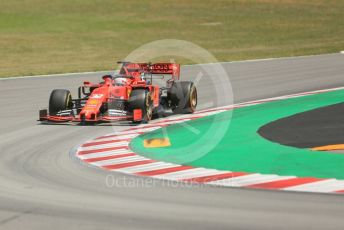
<point>107,76</point>
<point>121,81</point>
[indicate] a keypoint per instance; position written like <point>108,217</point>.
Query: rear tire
<point>60,99</point>
<point>183,96</point>
<point>141,99</point>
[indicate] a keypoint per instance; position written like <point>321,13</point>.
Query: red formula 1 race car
<point>129,95</point>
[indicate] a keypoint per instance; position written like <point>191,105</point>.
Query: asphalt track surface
<point>315,128</point>
<point>42,187</point>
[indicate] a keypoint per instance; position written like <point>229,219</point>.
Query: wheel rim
<point>193,98</point>
<point>69,101</point>
<point>149,111</point>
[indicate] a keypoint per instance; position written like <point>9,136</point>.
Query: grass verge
<point>45,37</point>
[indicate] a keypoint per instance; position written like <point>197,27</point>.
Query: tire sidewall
<point>181,95</point>
<point>60,99</point>
<point>141,99</point>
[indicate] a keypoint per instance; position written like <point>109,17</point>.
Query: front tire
<point>60,99</point>
<point>141,99</point>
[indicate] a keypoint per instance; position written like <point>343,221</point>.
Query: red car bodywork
<point>94,97</point>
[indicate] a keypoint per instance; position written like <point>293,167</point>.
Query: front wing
<point>68,116</point>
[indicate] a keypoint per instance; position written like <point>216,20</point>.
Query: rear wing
<point>153,68</point>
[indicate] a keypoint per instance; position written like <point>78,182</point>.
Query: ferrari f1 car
<point>129,95</point>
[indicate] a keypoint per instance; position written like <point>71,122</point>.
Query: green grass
<point>42,37</point>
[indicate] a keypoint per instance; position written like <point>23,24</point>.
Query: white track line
<point>211,63</point>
